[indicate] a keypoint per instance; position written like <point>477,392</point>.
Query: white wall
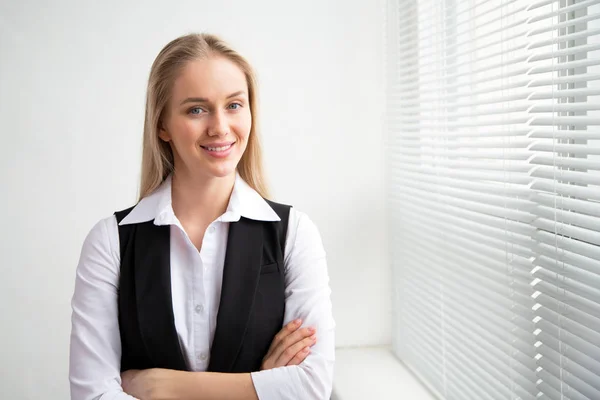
<point>72,83</point>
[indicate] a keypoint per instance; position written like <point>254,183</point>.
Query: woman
<point>185,295</point>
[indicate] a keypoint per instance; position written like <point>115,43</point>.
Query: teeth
<point>223,148</point>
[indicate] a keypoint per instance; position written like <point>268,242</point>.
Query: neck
<point>200,198</point>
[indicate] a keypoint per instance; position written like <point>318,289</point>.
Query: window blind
<point>493,176</point>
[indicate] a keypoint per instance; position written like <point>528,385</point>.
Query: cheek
<point>185,131</point>
<point>243,126</point>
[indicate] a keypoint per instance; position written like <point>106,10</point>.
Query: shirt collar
<point>244,202</point>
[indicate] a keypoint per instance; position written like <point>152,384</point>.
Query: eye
<point>235,106</point>
<point>195,111</point>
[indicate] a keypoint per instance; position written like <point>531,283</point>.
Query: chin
<point>222,171</point>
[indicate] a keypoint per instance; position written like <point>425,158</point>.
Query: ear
<point>163,134</point>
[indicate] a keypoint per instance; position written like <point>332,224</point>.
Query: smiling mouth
<point>218,149</point>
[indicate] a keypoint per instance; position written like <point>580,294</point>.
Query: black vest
<point>252,302</point>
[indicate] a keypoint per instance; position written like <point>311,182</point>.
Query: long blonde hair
<point>157,156</point>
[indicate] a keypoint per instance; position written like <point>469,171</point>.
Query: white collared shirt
<point>196,280</point>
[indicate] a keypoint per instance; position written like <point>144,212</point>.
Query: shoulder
<point>301,224</point>
<point>296,219</point>
<point>303,235</point>
<point>103,238</point>
<point>102,229</point>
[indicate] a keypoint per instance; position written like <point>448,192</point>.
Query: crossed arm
<point>96,348</point>
<point>290,347</point>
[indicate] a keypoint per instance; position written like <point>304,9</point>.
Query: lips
<point>218,150</point>
<point>218,147</point>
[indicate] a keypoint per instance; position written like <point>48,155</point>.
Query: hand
<point>150,384</point>
<point>290,346</point>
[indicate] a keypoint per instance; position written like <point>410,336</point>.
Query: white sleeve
<point>308,296</point>
<point>95,348</point>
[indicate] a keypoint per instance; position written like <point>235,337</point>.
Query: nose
<point>218,124</point>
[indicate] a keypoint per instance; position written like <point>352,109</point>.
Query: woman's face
<point>208,119</point>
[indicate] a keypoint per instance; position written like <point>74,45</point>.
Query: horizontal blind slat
<point>557,282</point>
<point>565,306</point>
<point>559,228</point>
<point>578,177</point>
<point>570,338</point>
<point>572,264</point>
<point>463,351</point>
<point>483,271</point>
<point>562,10</point>
<point>588,222</point>
<point>576,246</point>
<point>578,387</point>
<point>566,134</point>
<point>561,387</point>
<point>567,162</point>
<point>493,124</point>
<point>566,203</point>
<point>557,351</point>
<point>479,326</point>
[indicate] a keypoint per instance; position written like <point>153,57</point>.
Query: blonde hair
<point>157,156</point>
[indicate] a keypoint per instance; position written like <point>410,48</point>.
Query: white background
<point>72,85</point>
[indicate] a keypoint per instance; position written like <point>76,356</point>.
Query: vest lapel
<point>153,296</point>
<point>241,274</point>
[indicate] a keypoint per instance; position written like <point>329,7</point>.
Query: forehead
<point>212,78</point>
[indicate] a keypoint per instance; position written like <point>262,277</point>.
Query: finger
<point>299,357</point>
<point>283,333</point>
<point>126,378</point>
<point>292,351</point>
<point>292,339</point>
<point>298,336</point>
<point>127,375</point>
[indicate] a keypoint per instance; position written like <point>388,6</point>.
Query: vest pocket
<point>268,268</point>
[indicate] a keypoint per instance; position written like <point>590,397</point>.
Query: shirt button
<point>199,308</point>
<point>202,357</point>
<point>211,229</point>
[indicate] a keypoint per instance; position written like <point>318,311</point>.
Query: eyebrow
<point>205,100</point>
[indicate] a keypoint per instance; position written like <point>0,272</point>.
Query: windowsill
<point>374,373</point>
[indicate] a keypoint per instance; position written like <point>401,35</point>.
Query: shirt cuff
<point>277,384</point>
<point>117,396</point>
